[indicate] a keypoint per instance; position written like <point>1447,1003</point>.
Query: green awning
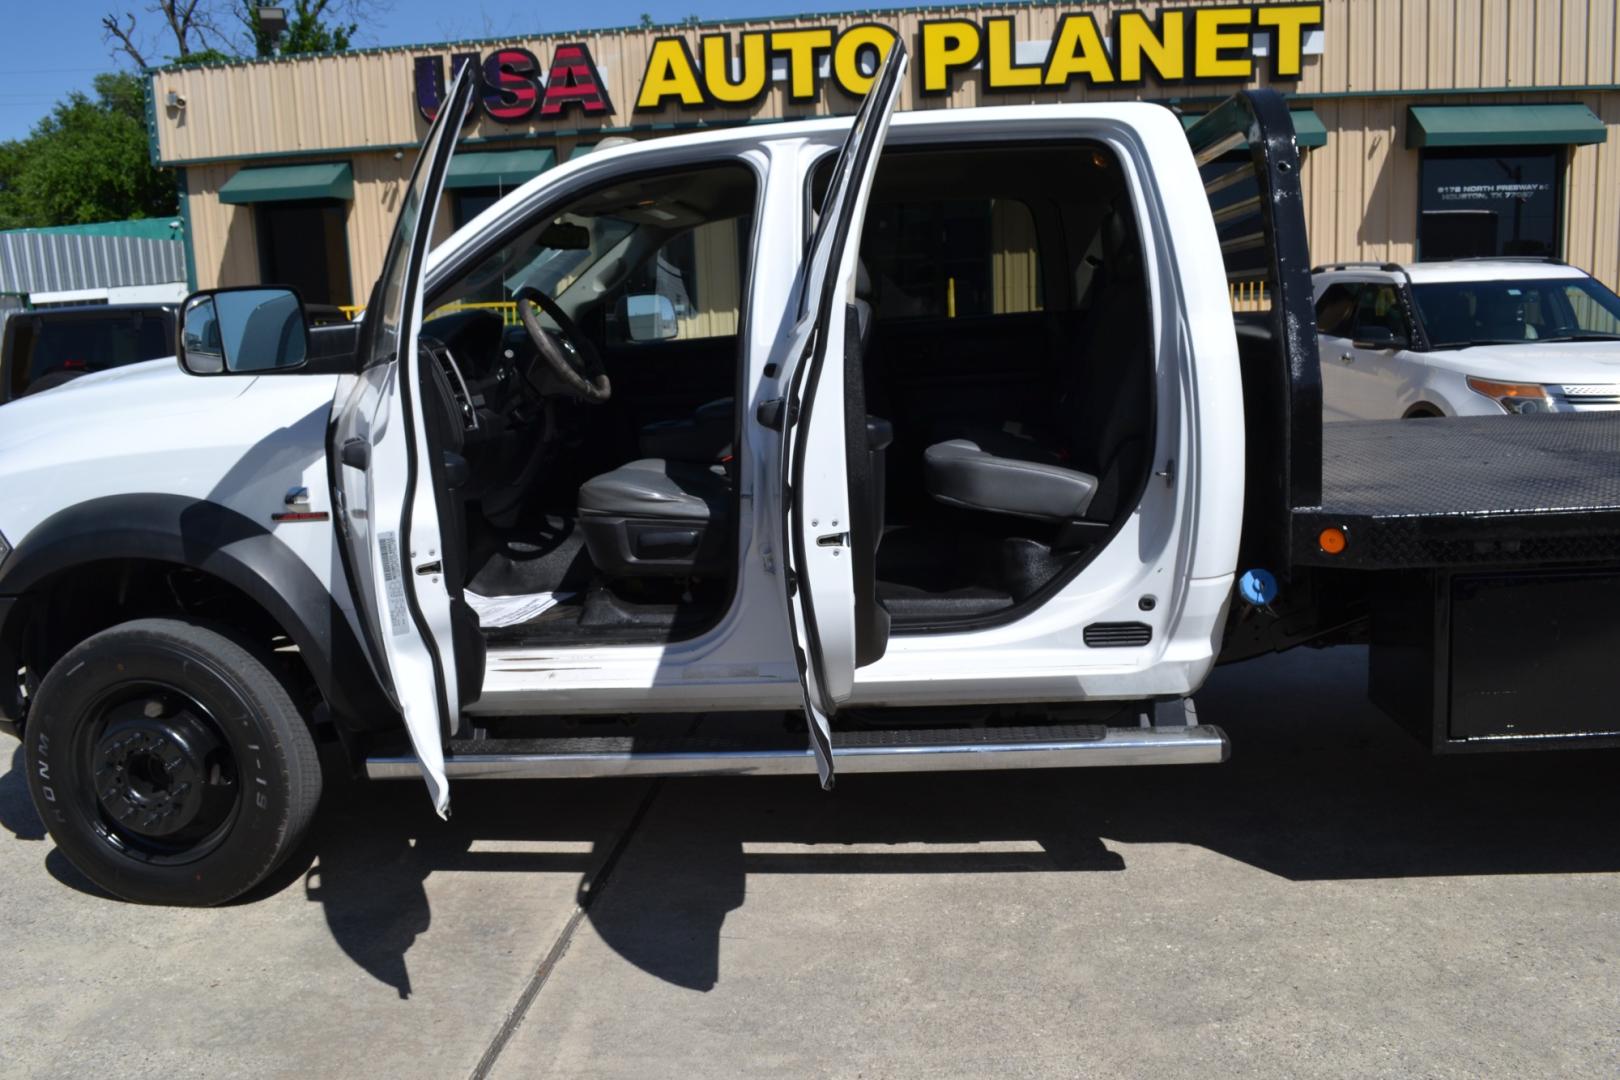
<point>1309,130</point>
<point>1502,125</point>
<point>498,168</point>
<point>286,183</point>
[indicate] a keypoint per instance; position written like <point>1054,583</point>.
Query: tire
<point>169,764</point>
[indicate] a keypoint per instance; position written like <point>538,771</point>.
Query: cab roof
<point>1455,270</point>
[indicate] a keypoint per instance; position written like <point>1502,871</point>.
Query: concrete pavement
<point>1330,902</point>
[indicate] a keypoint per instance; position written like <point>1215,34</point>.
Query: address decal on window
<point>393,582</point>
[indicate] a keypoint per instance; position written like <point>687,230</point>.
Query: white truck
<point>898,513</point>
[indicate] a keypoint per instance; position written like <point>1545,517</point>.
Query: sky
<point>52,47</point>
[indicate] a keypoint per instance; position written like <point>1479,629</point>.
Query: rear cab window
<point>952,258</point>
<point>45,345</point>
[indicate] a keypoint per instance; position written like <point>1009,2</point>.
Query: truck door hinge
<point>777,413</point>
<point>355,453</point>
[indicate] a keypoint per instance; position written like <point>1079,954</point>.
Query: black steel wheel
<point>169,763</point>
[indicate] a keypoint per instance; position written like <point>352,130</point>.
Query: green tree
<point>87,161</point>
<point>207,31</point>
<point>308,30</point>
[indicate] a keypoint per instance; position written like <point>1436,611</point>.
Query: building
<point>108,262</point>
<point>1432,128</point>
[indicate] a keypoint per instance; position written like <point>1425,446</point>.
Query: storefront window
<point>305,245</point>
<point>468,203</point>
<point>1486,203</point>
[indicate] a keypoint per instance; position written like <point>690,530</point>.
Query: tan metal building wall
<point>1379,57</point>
<point>1361,189</point>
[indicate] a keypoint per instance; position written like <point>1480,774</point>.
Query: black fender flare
<point>1422,410</point>
<point>225,544</point>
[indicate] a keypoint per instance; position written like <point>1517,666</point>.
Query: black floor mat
<point>906,603</point>
<point>547,557</point>
<point>939,559</point>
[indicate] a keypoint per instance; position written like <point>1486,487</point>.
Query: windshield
<point>610,248</point>
<point>1456,314</point>
<point>549,257</point>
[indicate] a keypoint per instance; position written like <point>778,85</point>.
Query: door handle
<point>356,453</point>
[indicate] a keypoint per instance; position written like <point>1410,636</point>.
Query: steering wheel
<point>571,357</point>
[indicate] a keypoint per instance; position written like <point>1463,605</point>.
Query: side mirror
<point>647,317</point>
<point>247,331</point>
<point>1378,337</point>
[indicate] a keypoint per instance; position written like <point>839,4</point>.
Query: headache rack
<point>1250,166</point>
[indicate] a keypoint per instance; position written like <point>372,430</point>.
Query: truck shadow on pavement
<point>1320,787</point>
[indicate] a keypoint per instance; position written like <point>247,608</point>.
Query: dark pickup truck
<point>47,347</point>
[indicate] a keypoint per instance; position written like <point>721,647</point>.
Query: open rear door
<point>385,476</point>
<point>825,533</point>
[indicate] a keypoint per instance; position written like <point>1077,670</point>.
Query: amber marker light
<point>1332,540</point>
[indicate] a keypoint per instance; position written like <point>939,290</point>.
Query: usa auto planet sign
<point>1175,46</point>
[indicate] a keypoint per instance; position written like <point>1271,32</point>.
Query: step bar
<point>888,752</point>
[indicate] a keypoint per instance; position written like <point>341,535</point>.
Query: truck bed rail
<point>1468,491</point>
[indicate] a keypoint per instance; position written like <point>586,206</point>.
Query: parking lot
<point>1330,902</point>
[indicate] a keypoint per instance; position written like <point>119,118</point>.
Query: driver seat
<point>658,518</point>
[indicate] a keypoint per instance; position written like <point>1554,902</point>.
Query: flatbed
<point>1466,491</point>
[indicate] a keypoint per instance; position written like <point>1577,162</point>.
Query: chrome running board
<point>1062,747</point>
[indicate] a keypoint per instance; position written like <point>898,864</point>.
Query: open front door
<point>828,534</point>
<point>389,483</point>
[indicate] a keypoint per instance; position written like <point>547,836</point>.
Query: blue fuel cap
<point>1258,587</point>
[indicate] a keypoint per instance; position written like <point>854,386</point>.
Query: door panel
<point>382,460</point>
<point>1373,386</point>
<point>822,432</point>
<point>1335,315</point>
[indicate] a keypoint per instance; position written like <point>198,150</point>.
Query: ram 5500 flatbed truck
<point>747,452</point>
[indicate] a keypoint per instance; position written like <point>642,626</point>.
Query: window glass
<point>305,246</point>
<point>1334,309</point>
<point>690,288</point>
<point>1378,313</point>
<point>1483,312</point>
<point>91,343</point>
<point>1593,309</point>
<point>652,259</point>
<point>951,258</point>
<point>1484,203</point>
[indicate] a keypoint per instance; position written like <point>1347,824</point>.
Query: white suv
<point>1465,338</point>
